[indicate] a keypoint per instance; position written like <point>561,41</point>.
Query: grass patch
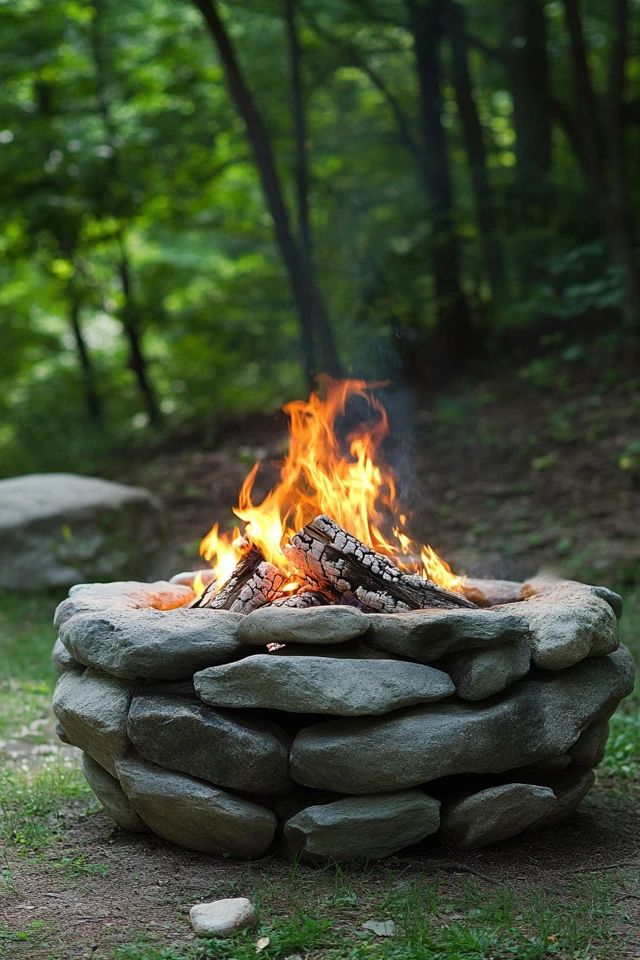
<point>27,677</point>
<point>473,923</point>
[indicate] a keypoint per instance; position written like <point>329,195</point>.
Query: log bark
<point>253,583</point>
<point>334,560</point>
<point>302,600</point>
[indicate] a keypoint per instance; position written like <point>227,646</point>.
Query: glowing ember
<point>348,482</point>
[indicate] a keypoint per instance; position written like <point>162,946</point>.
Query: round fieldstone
<point>478,674</point>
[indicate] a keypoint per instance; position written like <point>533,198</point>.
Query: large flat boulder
<point>194,814</point>
<point>60,528</point>
<point>322,685</point>
<point>359,828</point>
<point>314,625</point>
<point>222,747</point>
<point>538,717</point>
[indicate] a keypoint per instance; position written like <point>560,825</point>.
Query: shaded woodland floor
<point>509,475</point>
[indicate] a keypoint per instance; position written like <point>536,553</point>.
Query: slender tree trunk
<point>129,316</point>
<point>454,18</point>
<point>326,350</point>
<point>528,73</point>
<point>608,187</point>
<point>306,294</point>
<point>131,325</point>
<point>92,397</point>
<point>454,328</point>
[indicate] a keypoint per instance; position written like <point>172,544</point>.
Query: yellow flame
<point>356,489</point>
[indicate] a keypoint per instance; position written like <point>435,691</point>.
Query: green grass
<point>475,923</point>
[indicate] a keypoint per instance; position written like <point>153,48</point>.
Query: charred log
<point>337,562</point>
<point>253,583</point>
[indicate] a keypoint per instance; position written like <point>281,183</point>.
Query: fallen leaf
<point>381,928</point>
<point>262,943</point>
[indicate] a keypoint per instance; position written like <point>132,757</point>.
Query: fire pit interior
<point>329,688</point>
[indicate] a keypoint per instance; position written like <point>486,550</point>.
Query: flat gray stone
<point>62,660</point>
<point>538,586</point>
<point>194,814</point>
<point>359,828</point>
<point>96,598</point>
<point>478,674</point>
<point>567,622</point>
<point>219,746</point>
<point>495,814</point>
<point>59,528</point>
<point>92,710</point>
<point>588,750</point>
<point>153,644</point>
<point>316,625</point>
<point>538,717</point>
<point>570,788</point>
<point>112,797</point>
<point>427,635</point>
<point>321,685</point>
<point>489,593</point>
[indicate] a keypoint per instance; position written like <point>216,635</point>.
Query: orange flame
<point>355,488</point>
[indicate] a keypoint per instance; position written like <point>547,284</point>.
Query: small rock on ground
<point>221,918</point>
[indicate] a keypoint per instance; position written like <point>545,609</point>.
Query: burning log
<point>336,561</point>
<point>253,583</point>
<point>302,600</point>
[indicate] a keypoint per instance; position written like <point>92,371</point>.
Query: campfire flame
<point>349,482</point>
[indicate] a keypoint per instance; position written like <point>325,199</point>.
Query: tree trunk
<point>314,327</point>
<point>454,330</point>
<point>609,193</point>
<point>131,325</point>
<point>92,397</point>
<point>528,73</point>
<point>454,19</point>
<point>326,350</point>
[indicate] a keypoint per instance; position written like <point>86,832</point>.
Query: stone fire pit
<point>363,735</point>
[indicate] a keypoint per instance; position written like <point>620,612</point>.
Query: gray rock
<point>347,688</point>
<point>153,644</point>
<point>567,623</point>
<point>92,710</point>
<point>351,650</point>
<point>358,828</point>
<point>219,746</point>
<point>96,598</point>
<point>194,814</point>
<point>538,586</point>
<point>479,674</point>
<point>427,635</point>
<point>332,624</point>
<point>112,797</point>
<point>496,814</point>
<point>570,789</point>
<point>588,750</point>
<point>62,660</point>
<point>59,528</point>
<point>221,918</point>
<point>489,593</point>
<point>537,718</point>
